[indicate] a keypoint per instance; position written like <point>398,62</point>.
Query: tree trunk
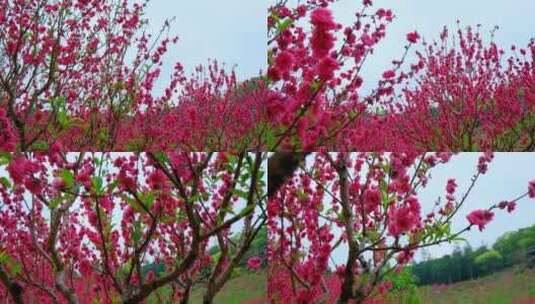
<point>281,166</point>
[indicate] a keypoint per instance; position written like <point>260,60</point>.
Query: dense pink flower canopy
<point>72,223</point>
<point>78,87</point>
<point>459,92</point>
<point>88,75</point>
<point>170,213</point>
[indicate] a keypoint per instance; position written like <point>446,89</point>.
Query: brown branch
<point>349,277</point>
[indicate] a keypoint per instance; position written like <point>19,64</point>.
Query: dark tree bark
<point>281,166</point>
<point>14,289</point>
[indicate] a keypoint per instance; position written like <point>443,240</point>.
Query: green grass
<point>247,288</point>
<point>511,286</point>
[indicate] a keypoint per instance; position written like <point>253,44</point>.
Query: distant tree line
<point>467,263</point>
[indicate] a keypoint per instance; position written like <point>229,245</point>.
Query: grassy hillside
<point>249,288</point>
<point>506,287</point>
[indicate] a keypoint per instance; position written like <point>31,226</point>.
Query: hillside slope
<point>248,288</point>
<point>506,287</point>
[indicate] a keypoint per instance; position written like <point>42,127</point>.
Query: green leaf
<point>373,235</point>
<point>13,266</point>
<point>68,178</point>
<point>384,192</point>
<point>275,16</point>
<point>236,272</point>
<point>5,158</point>
<point>455,239</point>
<point>103,135</point>
<point>147,199</point>
<point>352,114</point>
<point>167,219</point>
<point>97,184</point>
<point>63,119</point>
<point>216,255</point>
<point>315,86</point>
<point>136,234</point>
<point>4,181</point>
<point>55,202</point>
<point>340,216</point>
<point>271,139</point>
<point>283,25</point>
<point>161,157</point>
<point>194,198</point>
<point>133,203</point>
<point>301,195</point>
<point>113,185</point>
<point>228,209</point>
<point>40,145</point>
<point>240,193</point>
<point>4,257</point>
<point>232,159</point>
<point>60,101</point>
<point>380,111</point>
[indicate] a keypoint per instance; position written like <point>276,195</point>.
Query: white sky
<point>234,31</point>
<point>231,31</point>
<point>514,17</point>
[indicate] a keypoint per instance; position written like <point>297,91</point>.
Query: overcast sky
<point>514,17</point>
<point>507,178</point>
<point>234,31</point>
<point>231,31</point>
